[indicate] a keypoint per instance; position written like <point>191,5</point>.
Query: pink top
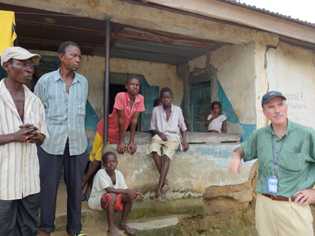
<point>123,102</point>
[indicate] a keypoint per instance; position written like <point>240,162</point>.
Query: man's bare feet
<point>157,193</point>
<point>165,188</point>
<point>127,229</point>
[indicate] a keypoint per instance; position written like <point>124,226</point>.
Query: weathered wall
<point>93,67</point>
<point>235,72</point>
<point>291,70</point>
<point>191,172</point>
<point>235,67</point>
<point>155,74</point>
<point>163,75</point>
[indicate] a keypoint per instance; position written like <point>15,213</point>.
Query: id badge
<point>272,184</point>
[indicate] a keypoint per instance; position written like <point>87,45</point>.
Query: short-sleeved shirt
<point>172,127</point>
<point>65,112</point>
<point>123,103</point>
<point>102,181</point>
<point>19,166</point>
<point>216,123</point>
<point>294,154</point>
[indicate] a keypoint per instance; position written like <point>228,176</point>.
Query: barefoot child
<point>169,129</point>
<point>110,193</point>
<point>126,111</point>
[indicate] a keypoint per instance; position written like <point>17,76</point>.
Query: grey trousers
<point>50,172</point>
<point>19,217</point>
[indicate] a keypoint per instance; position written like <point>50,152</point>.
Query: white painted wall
<point>291,70</point>
<point>235,65</point>
<point>235,69</point>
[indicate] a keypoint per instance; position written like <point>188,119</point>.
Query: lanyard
<point>276,156</point>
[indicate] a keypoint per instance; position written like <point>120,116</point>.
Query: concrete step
<point>159,226</point>
<point>141,210</point>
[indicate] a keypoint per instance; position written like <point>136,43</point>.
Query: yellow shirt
<point>7,29</point>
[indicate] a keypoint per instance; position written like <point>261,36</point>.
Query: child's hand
<point>132,148</point>
<point>132,194</point>
<point>139,196</point>
<point>121,148</point>
<point>185,146</point>
<point>162,136</point>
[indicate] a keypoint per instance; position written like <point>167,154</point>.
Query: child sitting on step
<point>110,193</point>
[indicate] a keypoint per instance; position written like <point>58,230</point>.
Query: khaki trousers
<point>281,218</point>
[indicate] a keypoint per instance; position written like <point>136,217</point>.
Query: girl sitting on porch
<point>216,119</point>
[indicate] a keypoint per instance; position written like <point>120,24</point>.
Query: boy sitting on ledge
<point>169,133</point>
<point>110,193</point>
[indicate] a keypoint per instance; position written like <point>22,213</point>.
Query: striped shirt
<point>65,112</point>
<point>19,166</point>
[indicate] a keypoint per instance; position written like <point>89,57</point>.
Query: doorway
<point>200,100</point>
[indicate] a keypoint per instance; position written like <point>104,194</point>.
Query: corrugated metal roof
<point>268,12</point>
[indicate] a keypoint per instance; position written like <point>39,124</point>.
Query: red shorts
<point>107,198</point>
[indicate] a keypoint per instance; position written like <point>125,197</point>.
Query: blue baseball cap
<point>271,94</point>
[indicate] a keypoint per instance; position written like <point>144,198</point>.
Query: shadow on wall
<point>234,124</point>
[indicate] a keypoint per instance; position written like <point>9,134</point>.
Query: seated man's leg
<point>164,171</point>
<point>8,215</point>
<point>157,160</point>
<point>127,202</point>
<point>28,214</point>
<point>108,204</point>
<point>169,149</point>
<point>155,150</point>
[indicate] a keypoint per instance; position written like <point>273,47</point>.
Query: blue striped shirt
<point>65,112</point>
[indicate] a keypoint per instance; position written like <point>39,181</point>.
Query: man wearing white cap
<point>22,126</point>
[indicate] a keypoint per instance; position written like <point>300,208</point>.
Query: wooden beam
<point>160,37</point>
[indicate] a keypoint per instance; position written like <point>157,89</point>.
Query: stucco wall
<point>291,70</point>
<point>163,75</point>
<point>235,71</point>
<point>204,164</point>
<point>155,73</point>
<point>235,67</point>
<point>93,67</point>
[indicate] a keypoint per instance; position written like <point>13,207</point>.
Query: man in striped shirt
<point>64,95</point>
<point>22,126</point>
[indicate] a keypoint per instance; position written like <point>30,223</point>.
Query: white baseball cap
<point>18,53</point>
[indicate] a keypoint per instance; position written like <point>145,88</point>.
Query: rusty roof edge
<point>268,12</point>
<point>289,20</point>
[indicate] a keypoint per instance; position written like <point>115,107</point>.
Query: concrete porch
<point>191,173</point>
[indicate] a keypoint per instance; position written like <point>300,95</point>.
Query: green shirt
<point>295,158</point>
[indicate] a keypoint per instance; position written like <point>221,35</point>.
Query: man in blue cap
<point>286,172</point>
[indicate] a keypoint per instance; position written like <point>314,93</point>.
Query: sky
<point>301,9</point>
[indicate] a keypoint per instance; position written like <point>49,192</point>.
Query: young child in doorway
<point>169,130</point>
<point>110,193</point>
<point>216,119</point>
